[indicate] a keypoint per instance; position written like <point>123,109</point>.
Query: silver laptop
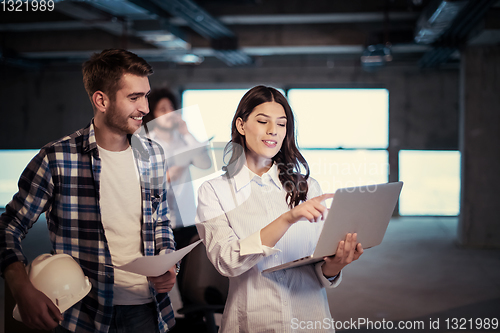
<point>365,210</point>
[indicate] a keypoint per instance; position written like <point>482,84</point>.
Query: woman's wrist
<point>329,272</point>
<point>288,217</point>
<point>273,232</point>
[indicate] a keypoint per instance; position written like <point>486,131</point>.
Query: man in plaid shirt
<point>103,192</point>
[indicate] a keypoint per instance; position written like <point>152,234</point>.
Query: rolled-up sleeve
<point>253,245</point>
<point>322,278</point>
<point>164,238</point>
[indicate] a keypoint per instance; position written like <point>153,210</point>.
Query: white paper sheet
<point>157,265</point>
<point>184,156</point>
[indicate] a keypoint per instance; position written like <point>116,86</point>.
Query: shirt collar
<point>90,143</point>
<point>245,176</point>
<point>139,146</point>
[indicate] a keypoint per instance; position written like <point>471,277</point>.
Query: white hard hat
<point>60,278</point>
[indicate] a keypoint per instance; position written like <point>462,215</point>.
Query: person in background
<point>165,125</point>
<point>103,191</point>
<point>263,212</point>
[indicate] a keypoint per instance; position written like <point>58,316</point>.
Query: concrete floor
<point>417,277</point>
<point>420,274</point>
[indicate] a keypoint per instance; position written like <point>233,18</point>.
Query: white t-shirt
<point>120,202</point>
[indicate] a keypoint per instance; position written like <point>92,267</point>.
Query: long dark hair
<point>289,160</point>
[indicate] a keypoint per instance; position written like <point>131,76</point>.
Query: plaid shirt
<point>63,181</point>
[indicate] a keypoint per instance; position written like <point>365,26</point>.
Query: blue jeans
<point>130,319</point>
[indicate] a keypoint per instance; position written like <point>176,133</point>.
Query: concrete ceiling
<point>239,32</point>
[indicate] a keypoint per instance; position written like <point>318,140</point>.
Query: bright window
<point>216,109</point>
<point>208,114</point>
<point>431,182</point>
<point>347,118</point>
<point>336,169</point>
<point>12,164</point>
<point>326,119</point>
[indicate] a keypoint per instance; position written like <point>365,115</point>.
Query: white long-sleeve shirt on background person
<point>230,215</point>
<point>180,194</point>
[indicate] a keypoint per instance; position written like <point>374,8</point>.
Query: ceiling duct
<point>454,36</point>
<point>436,18</point>
<point>207,26</point>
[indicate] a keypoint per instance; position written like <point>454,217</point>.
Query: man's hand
<point>348,250</point>
<point>36,309</point>
<point>164,283</point>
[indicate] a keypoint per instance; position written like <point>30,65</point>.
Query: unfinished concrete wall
<point>40,106</point>
<point>480,147</point>
<point>45,105</point>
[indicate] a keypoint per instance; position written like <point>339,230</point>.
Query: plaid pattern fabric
<point>63,181</point>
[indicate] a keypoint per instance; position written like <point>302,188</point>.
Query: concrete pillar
<point>479,222</point>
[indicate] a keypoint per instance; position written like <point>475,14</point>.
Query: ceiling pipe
<point>457,33</point>
<point>223,40</point>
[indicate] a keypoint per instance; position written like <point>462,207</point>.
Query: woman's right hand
<point>312,210</point>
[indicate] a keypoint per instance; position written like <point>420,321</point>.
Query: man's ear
<point>239,126</point>
<point>100,101</point>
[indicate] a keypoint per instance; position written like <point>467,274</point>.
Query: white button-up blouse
<point>231,213</point>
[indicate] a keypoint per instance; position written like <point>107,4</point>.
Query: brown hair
<point>289,160</point>
<point>103,71</point>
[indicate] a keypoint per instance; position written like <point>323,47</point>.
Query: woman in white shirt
<point>258,215</point>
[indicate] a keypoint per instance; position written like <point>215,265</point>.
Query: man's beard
<point>117,122</point>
